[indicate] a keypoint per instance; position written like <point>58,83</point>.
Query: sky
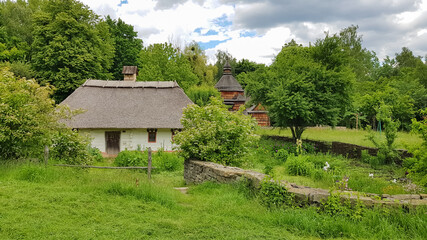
<point>257,29</point>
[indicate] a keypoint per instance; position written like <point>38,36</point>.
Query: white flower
<point>326,166</point>
<point>371,175</point>
<point>394,181</point>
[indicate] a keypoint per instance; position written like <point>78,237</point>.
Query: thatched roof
<point>125,105</point>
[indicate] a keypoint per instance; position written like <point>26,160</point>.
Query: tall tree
<point>198,61</point>
<point>127,46</point>
<point>163,62</point>
<point>299,92</point>
<point>71,44</point>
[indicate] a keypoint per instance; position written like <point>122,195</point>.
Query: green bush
<point>168,161</point>
<point>299,165</point>
<point>417,165</point>
<point>28,117</point>
<point>201,95</point>
<point>274,195</point>
<point>212,133</point>
<point>334,206</point>
<point>70,147</point>
<point>128,158</point>
<point>387,153</point>
<point>281,155</point>
<point>96,154</point>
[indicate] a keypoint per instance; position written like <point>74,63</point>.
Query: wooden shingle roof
<point>228,82</point>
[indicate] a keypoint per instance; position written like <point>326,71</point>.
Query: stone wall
<point>196,172</point>
<point>345,149</point>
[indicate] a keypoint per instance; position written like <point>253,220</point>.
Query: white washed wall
<point>131,138</point>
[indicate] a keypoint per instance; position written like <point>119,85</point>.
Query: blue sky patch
<point>222,21</point>
<point>248,34</point>
<point>122,2</point>
<point>210,33</point>
<point>211,44</point>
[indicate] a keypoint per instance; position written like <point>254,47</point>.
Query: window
<point>152,134</point>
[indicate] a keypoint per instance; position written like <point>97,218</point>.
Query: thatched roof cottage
<point>124,114</point>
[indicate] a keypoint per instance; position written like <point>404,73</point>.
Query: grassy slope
<point>57,203</point>
<point>344,135</point>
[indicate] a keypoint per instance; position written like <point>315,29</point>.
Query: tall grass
<point>63,203</point>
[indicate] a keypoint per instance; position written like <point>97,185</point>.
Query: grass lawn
<point>353,136</point>
<point>63,203</point>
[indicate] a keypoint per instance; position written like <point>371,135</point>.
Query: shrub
<point>128,158</point>
<point>212,133</point>
<point>281,155</point>
<point>417,165</point>
<point>299,165</point>
<point>168,161</point>
<point>201,95</point>
<point>334,206</point>
<point>70,147</point>
<point>96,154</point>
<point>274,195</point>
<point>28,117</point>
<point>386,149</point>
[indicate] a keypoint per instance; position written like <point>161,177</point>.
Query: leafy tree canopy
<point>71,44</point>
<point>163,62</point>
<point>299,91</point>
<point>127,46</point>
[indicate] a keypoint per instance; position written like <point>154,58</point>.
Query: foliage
<point>281,155</point>
<point>417,165</point>
<point>71,44</point>
<point>131,158</point>
<point>335,206</point>
<point>95,153</point>
<point>19,68</point>
<point>198,60</point>
<point>299,165</point>
<point>212,133</point>
<point>163,62</point>
<point>168,161</point>
<point>300,92</point>
<point>27,117</point>
<point>273,195</point>
<point>126,44</point>
<point>218,211</point>
<point>386,149</point>
<point>70,147</point>
<point>201,95</point>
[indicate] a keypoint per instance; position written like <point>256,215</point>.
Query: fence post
<point>149,164</point>
<point>46,154</point>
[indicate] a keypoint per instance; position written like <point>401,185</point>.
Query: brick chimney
<point>130,73</point>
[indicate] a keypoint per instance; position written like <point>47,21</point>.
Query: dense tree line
<point>333,81</point>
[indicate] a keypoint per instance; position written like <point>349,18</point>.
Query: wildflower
<point>394,181</point>
<point>371,175</point>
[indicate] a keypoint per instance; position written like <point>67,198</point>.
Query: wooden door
<point>112,140</point>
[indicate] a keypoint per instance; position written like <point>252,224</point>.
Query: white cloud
<point>260,49</point>
<point>386,25</point>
